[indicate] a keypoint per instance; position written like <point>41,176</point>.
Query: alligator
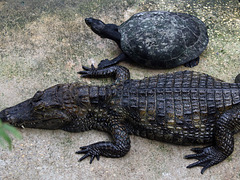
<point>185,108</point>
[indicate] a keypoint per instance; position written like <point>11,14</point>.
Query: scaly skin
<point>183,108</point>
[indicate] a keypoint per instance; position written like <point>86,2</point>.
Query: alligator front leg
<point>119,72</point>
<point>118,148</point>
<point>223,145</point>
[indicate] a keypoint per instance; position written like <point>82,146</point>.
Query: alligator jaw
<point>18,114</point>
<point>25,116</point>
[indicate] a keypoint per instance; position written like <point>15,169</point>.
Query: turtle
<point>155,39</point>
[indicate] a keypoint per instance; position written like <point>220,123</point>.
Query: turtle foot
<point>192,63</point>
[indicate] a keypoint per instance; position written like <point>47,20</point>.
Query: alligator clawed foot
<point>88,71</point>
<point>206,157</point>
<point>89,151</point>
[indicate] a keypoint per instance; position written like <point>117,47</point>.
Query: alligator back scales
<point>184,108</point>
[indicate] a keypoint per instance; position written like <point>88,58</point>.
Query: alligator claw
<point>88,151</point>
<point>88,71</point>
<point>206,157</point>
<point>87,68</point>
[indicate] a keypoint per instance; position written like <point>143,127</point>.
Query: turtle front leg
<point>106,63</point>
<point>118,148</point>
<point>223,145</point>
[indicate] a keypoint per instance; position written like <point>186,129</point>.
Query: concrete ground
<point>46,42</point>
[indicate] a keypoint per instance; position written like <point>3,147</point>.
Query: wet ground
<point>43,43</point>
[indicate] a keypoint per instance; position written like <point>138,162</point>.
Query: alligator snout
<point>2,116</point>
<point>16,114</point>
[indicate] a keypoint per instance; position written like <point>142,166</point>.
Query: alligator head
<point>44,110</point>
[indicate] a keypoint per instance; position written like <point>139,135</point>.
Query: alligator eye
<point>37,96</point>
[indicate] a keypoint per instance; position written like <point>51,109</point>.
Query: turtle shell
<point>163,39</point>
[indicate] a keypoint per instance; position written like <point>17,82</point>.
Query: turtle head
<point>96,25</point>
<point>109,31</point>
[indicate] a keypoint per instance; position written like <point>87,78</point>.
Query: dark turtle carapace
<point>155,39</point>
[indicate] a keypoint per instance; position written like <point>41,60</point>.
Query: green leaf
<point>5,136</point>
<point>5,130</point>
<point>2,143</point>
<point>12,130</point>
